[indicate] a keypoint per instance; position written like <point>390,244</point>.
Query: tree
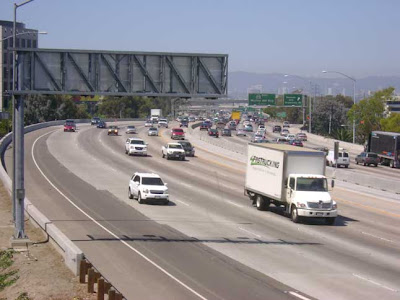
<point>328,113</point>
<point>368,113</point>
<point>392,123</point>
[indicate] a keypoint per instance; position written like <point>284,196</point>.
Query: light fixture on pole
<point>354,97</point>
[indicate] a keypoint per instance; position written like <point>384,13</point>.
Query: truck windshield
<point>312,184</point>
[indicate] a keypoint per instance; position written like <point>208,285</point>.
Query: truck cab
<point>308,196</point>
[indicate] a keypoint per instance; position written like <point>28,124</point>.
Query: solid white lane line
<point>376,283</point>
<point>298,295</point>
<point>184,203</point>
<point>245,230</point>
<point>377,237</point>
<point>110,232</point>
<point>233,203</point>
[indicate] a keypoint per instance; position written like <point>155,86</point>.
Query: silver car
<point>153,131</point>
<point>131,129</point>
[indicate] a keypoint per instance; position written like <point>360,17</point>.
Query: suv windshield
<point>312,184</point>
<point>137,142</point>
<point>178,130</point>
<point>152,181</point>
<point>175,146</point>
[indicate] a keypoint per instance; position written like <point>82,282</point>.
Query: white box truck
<point>155,114</point>
<point>292,177</point>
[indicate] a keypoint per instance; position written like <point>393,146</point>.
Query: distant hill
<point>239,82</point>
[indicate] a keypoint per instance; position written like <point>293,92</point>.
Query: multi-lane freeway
<point>209,242</point>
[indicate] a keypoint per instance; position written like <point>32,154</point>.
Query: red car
<point>177,134</point>
<point>69,126</point>
<point>213,132</point>
<point>297,143</point>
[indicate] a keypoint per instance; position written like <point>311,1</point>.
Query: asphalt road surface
<point>209,243</point>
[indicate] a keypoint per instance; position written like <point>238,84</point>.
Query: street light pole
<point>309,100</point>
<point>354,98</point>
<point>18,190</point>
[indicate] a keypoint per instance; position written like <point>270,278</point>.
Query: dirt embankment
<point>41,271</point>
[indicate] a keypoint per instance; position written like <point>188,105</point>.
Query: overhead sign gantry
<point>117,73</point>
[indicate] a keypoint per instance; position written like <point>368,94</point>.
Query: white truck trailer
<point>292,177</point>
<point>155,114</point>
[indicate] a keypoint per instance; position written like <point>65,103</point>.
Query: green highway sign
<point>262,99</point>
<point>293,100</point>
<point>281,114</point>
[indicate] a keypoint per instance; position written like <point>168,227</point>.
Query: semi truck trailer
<point>291,177</point>
<point>387,146</point>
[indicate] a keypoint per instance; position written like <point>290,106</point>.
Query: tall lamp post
<point>18,190</point>
<point>309,98</point>
<point>4,39</point>
<point>354,97</point>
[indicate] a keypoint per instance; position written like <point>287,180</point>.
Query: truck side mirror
<point>333,183</point>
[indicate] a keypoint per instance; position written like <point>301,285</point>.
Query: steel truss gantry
<point>116,73</point>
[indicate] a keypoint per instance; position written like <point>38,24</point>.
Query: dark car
<point>205,125</point>
<point>188,147</point>
<point>367,158</point>
<point>95,121</point>
<point>277,128</point>
<point>297,143</point>
<point>213,132</point>
<point>226,132</point>
<point>112,130</point>
<point>101,124</point>
<point>184,123</point>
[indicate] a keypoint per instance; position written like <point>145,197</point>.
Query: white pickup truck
<point>292,177</point>
<point>173,150</point>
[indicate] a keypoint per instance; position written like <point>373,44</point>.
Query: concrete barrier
<point>71,253</point>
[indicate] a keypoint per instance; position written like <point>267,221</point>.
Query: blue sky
<point>303,37</point>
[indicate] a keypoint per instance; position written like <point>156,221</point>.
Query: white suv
<point>147,187</point>
<point>135,146</point>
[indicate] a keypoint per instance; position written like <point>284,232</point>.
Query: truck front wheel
<point>294,215</point>
<point>262,203</point>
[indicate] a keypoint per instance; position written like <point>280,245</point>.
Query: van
<point>343,158</point>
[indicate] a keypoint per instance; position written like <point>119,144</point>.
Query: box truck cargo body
<point>289,176</point>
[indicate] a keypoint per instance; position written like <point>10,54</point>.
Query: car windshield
<point>152,181</point>
<point>178,130</point>
<point>172,146</point>
<point>373,155</point>
<point>185,145</point>
<point>131,127</point>
<point>138,142</point>
<point>312,184</point>
<point>153,128</point>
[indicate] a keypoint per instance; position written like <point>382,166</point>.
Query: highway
<point>209,243</point>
